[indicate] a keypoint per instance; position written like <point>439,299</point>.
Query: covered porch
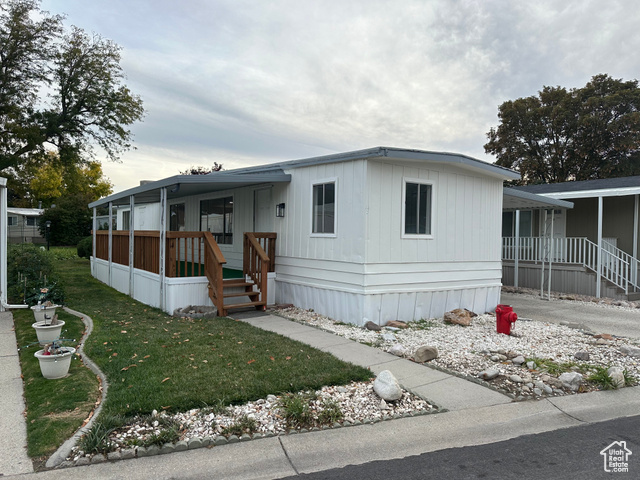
<point>543,255</point>
<point>171,267</point>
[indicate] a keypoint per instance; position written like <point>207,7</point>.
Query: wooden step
<point>241,294</point>
<point>237,284</point>
<point>243,305</point>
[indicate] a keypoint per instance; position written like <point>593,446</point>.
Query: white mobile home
<point>377,234</point>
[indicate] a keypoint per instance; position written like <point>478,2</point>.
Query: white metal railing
<point>618,267</point>
<point>633,263</point>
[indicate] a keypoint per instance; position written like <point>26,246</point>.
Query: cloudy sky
<point>250,82</point>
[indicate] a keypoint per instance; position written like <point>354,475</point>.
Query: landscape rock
<point>617,376</point>
<point>372,326</point>
<point>398,350</point>
<point>630,350</point>
<point>196,311</point>
<point>425,353</point>
<point>396,324</point>
<point>518,360</point>
<point>458,317</point>
<point>388,337</point>
<point>531,365</point>
<point>606,336</point>
<point>571,380</point>
<point>582,356</point>
<point>489,374</point>
<point>515,378</point>
<point>386,386</point>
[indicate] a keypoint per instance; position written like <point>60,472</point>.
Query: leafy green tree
<point>86,105</point>
<point>45,178</point>
<point>577,134</point>
<point>70,219</point>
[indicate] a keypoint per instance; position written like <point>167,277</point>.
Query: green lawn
<point>154,361</point>
<point>55,408</point>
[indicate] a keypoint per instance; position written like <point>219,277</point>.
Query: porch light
<point>280,210</point>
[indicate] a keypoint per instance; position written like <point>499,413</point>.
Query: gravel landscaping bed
<point>529,363</point>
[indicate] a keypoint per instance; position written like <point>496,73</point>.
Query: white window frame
<point>421,181</point>
<point>12,220</point>
<point>323,181</point>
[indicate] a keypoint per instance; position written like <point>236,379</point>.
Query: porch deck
<point>191,255</point>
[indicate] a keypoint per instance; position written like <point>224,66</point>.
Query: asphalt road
<point>598,318</point>
<point>571,453</point>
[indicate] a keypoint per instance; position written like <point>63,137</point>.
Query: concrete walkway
<point>447,391</point>
<point>600,319</point>
<point>13,430</point>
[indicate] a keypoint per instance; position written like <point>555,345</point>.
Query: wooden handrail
<point>256,264</point>
<point>213,261</point>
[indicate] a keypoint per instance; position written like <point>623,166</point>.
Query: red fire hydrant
<point>505,316</point>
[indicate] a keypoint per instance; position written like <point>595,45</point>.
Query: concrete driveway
<point>599,318</point>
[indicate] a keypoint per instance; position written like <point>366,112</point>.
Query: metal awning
<point>186,185</point>
<point>513,199</point>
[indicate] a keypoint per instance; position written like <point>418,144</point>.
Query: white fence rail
<point>618,267</point>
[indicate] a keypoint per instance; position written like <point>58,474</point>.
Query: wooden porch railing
<point>213,261</point>
<point>256,262</point>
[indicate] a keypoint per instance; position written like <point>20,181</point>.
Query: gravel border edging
<point>63,452</point>
<point>219,440</point>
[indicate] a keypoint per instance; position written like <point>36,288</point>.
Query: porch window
<point>509,223</point>
<point>417,208</point>
<point>126,220</point>
<point>176,217</point>
<point>216,216</point>
<point>324,206</point>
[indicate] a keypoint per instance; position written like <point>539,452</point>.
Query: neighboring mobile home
<point>22,225</point>
<point>599,237</point>
<point>378,234</point>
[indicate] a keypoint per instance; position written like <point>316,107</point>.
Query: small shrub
<point>629,379</point>
<point>551,366</point>
<point>243,425</point>
<point>96,440</point>
<point>166,435</point>
<point>296,410</point>
<point>601,378</point>
<point>85,247</point>
<point>330,412</point>
<point>29,269</point>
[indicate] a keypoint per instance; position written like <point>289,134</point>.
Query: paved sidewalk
<point>447,391</point>
<point>13,429</point>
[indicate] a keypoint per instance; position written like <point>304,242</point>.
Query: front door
<point>263,210</point>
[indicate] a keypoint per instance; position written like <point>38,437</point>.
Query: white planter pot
<point>42,313</point>
<point>47,333</point>
<point>55,366</point>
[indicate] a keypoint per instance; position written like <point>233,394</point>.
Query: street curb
<point>65,449</point>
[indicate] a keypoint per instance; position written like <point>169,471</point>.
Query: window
<point>216,216</point>
<point>12,220</point>
<point>126,220</point>
<point>176,217</point>
<point>324,206</point>
<point>417,209</point>
<point>509,223</point>
<point>32,221</point>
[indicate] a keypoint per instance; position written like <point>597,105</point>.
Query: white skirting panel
<point>180,292</point>
<point>359,308</point>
